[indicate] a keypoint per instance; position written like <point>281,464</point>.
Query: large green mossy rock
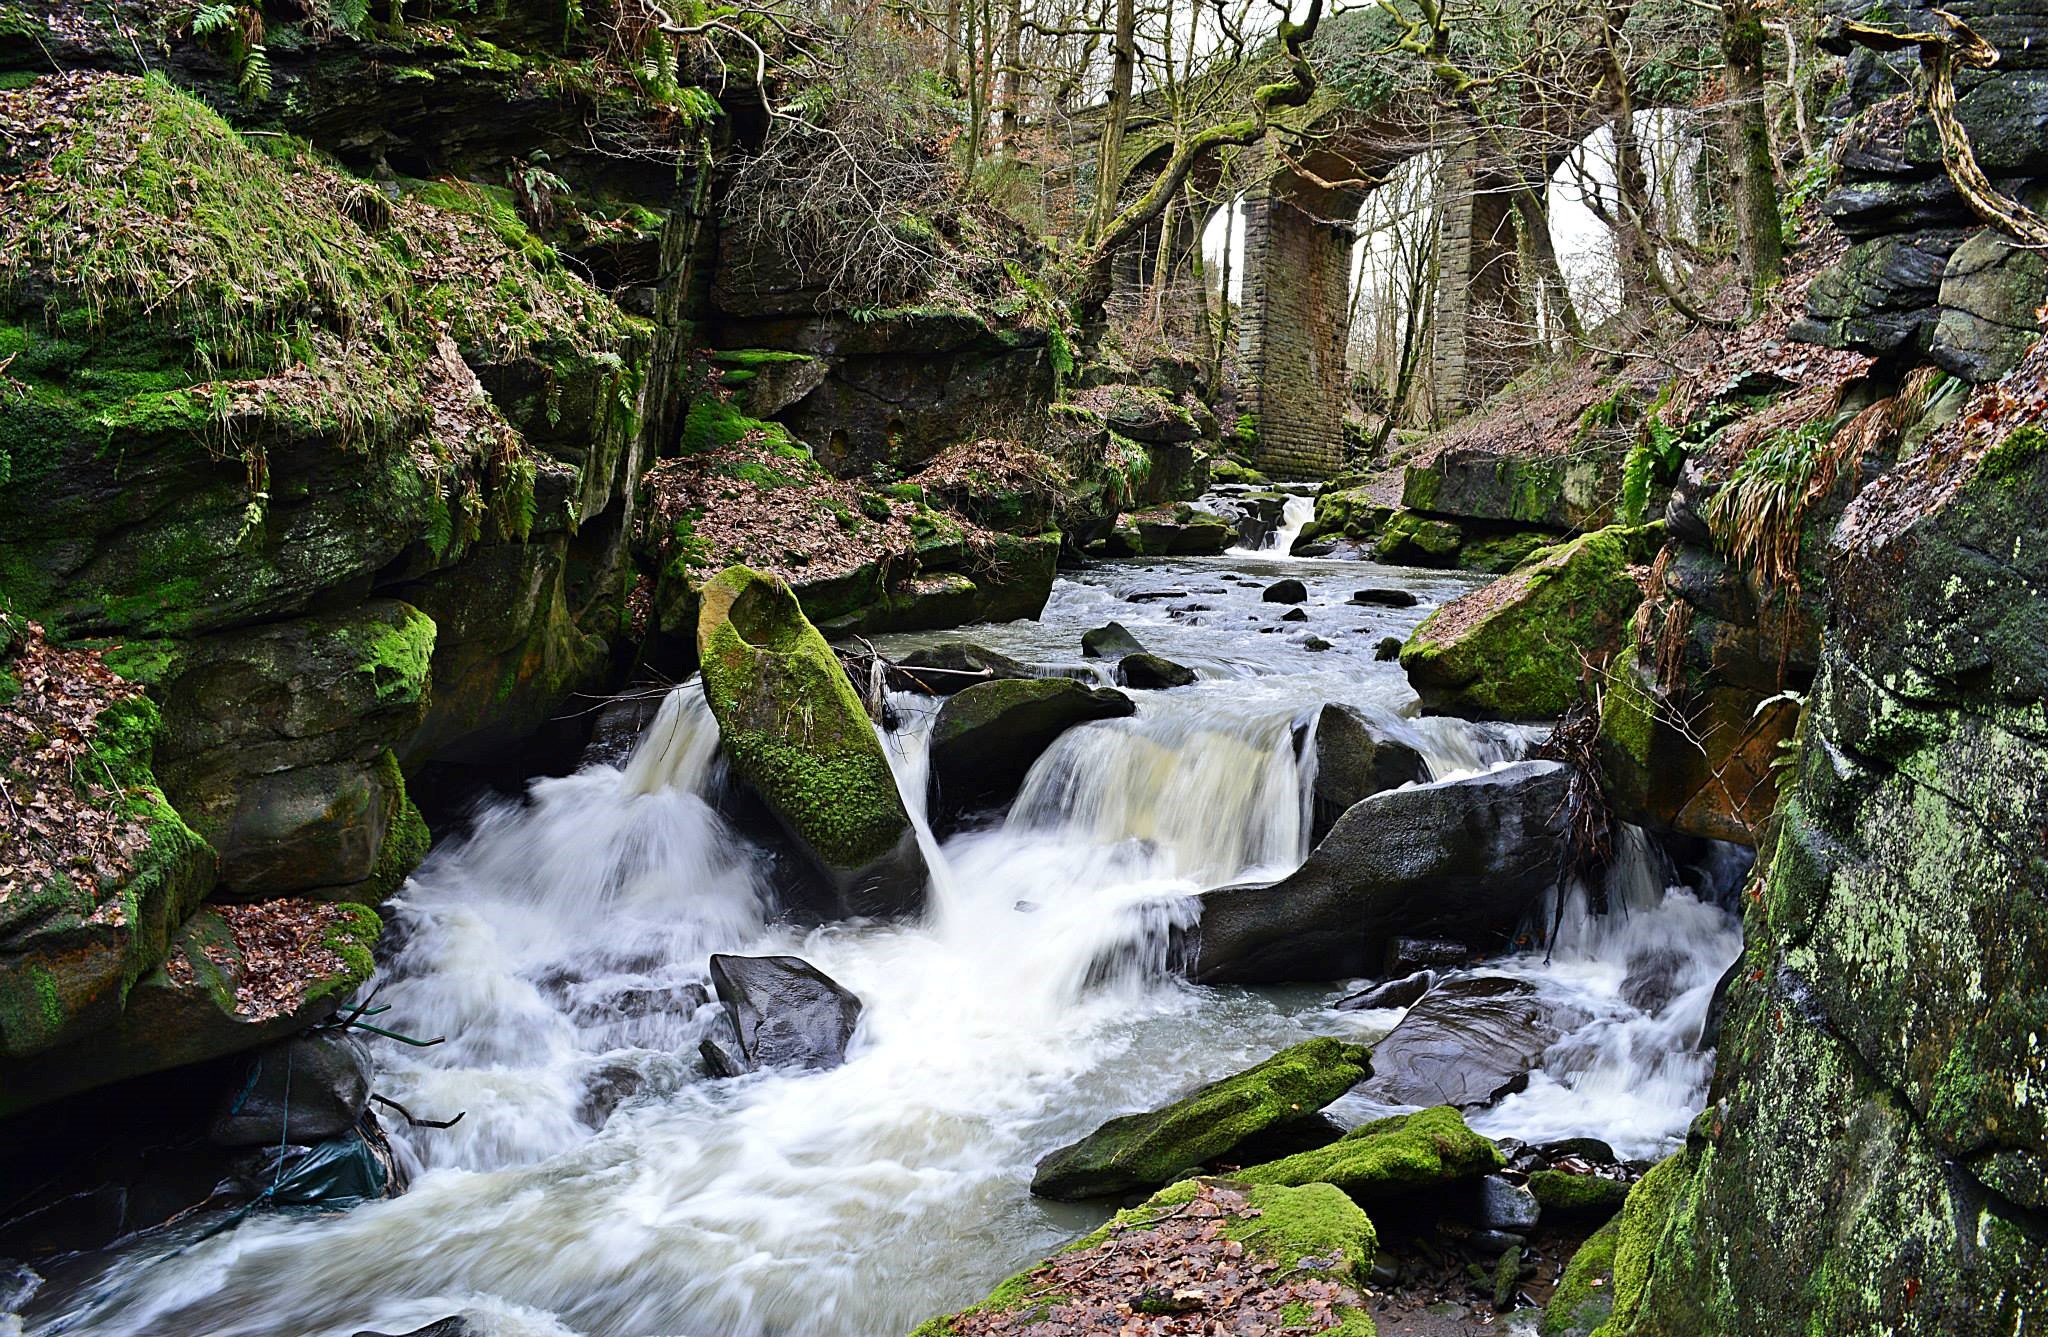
<point>986,738</point>
<point>1147,1150</point>
<point>1313,1234</point>
<point>1517,649</point>
<point>1874,1158</point>
<point>1573,490</point>
<point>1390,1158</point>
<point>233,978</point>
<point>797,735</point>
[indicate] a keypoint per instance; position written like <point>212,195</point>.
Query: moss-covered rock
<point>1876,1117</point>
<point>1312,1233</point>
<point>1584,1298</point>
<point>1351,512</point>
<point>1564,1194</point>
<point>987,737</point>
<point>797,735</point>
<point>234,977</point>
<point>1408,539</point>
<point>1519,648</point>
<point>1148,1150</point>
<point>1390,1158</point>
<point>1575,489</point>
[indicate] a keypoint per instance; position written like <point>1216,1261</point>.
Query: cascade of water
<point>599,1184</point>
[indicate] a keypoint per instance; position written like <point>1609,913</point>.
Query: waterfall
<point>599,1183</point>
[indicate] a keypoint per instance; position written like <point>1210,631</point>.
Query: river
<point>599,1184</point>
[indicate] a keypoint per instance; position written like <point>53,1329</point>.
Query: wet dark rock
<point>606,1089</point>
<point>1295,615</point>
<point>1652,979</point>
<point>1467,1042</point>
<point>1354,761</point>
<point>1315,643</point>
<point>1466,857</point>
<point>781,1011</point>
<point>1590,1149</point>
<point>1153,596</point>
<point>1148,672</point>
<point>1314,548</point>
<point>1378,597</point>
<point>986,737</point>
<point>1392,993</point>
<point>942,670</point>
<point>1387,649</point>
<point>1406,954</point>
<point>620,724</point>
<point>311,1086</point>
<point>1500,1205</point>
<point>447,1327</point>
<point>1288,591</point>
<point>1112,640</point>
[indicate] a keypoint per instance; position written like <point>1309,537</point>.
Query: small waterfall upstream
<point>598,1184</point>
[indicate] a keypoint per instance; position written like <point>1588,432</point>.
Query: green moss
<point>1223,469</point>
<point>1517,648</point>
<point>1628,716</point>
<point>1150,1149</point>
<point>791,722</point>
<point>1389,1157</point>
<point>406,839</point>
<point>2011,456</point>
<point>1638,1229</point>
<point>1584,1298</point>
<point>753,359</point>
<point>352,937</point>
<point>1576,1195</point>
<point>399,657</point>
<point>1411,538</point>
<point>715,424</point>
<point>1306,1232</point>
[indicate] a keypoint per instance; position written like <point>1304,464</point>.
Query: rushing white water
<point>599,1184</point>
<point>1295,514</point>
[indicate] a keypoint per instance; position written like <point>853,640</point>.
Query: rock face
<point>1391,1158</point>
<point>1354,762</point>
<point>1142,1151</point>
<point>1876,1111</point>
<point>1467,1042</point>
<point>986,738</point>
<point>1517,649</point>
<point>798,737</point>
<point>783,1012</point>
<point>1465,858</point>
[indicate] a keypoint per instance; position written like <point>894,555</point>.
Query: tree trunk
<point>1760,237</point>
<point>1013,72</point>
<point>1109,177</point>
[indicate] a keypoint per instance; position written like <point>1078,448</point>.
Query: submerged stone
<point>1146,1150</point>
<point>1467,1042</point>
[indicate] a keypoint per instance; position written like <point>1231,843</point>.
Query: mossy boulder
<point>987,737</point>
<point>1182,531</point>
<point>1138,1151</point>
<point>1518,649</point>
<point>1408,539</point>
<point>235,977</point>
<point>1564,1194</point>
<point>1351,512</point>
<point>797,735</point>
<point>1311,1234</point>
<point>1574,489</point>
<point>1391,1158</point>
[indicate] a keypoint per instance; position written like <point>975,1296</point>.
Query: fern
<point>349,15</point>
<point>252,74</point>
<point>209,20</point>
<point>1656,456</point>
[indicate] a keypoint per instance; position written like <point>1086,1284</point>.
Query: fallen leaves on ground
<point>1182,1276</point>
<point>62,812</point>
<point>283,947</point>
